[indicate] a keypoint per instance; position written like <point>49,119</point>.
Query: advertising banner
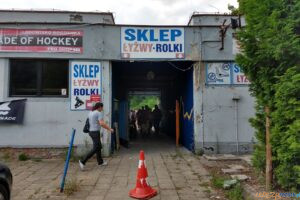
<point>86,84</point>
<point>239,77</point>
<point>41,40</point>
<point>151,42</point>
<point>12,111</point>
<point>225,74</point>
<point>218,73</point>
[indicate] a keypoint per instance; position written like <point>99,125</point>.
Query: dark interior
<point>168,78</point>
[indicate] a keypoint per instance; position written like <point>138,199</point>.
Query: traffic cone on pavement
<point>142,189</point>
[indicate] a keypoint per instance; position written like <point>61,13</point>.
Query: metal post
<point>67,161</point>
<point>236,126</point>
<point>236,98</point>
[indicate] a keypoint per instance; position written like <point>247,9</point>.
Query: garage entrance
<point>139,84</point>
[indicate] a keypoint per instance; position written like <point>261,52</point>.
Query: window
<point>39,77</point>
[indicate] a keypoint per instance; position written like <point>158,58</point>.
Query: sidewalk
<point>175,173</point>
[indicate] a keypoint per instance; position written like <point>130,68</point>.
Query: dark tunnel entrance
<point>137,84</point>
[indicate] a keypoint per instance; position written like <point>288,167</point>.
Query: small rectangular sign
<point>86,84</point>
<point>218,73</point>
<point>41,40</point>
<point>12,111</point>
<point>225,74</point>
<point>152,42</point>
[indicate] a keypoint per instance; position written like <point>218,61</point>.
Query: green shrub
<point>270,59</point>
<point>23,157</point>
<point>286,130</point>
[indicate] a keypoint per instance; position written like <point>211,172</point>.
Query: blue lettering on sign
<point>148,34</point>
<point>175,33</point>
<point>237,69</point>
<point>85,92</point>
<point>163,35</point>
<point>129,34</point>
<point>86,71</point>
<point>168,47</point>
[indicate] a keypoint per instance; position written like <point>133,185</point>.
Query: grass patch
<point>71,186</point>
<point>218,181</point>
<point>208,191</point>
<point>6,156</point>
<point>23,157</point>
<point>235,193</point>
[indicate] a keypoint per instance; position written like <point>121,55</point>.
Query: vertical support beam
<point>4,79</point>
<point>268,152</point>
<point>107,101</point>
<point>198,88</point>
<point>177,123</point>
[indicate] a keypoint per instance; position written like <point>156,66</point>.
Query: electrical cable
<point>183,70</point>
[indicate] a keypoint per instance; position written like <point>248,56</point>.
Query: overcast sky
<point>152,12</point>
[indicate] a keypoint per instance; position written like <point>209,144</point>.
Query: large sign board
<point>225,74</point>
<point>86,84</point>
<point>41,40</point>
<point>152,42</point>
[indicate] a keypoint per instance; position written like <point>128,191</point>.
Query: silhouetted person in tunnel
<point>156,114</point>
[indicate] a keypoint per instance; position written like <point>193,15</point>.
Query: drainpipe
<point>236,98</point>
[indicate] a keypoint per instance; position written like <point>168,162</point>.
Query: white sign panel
<point>86,84</point>
<point>239,77</point>
<point>150,42</point>
<point>218,73</point>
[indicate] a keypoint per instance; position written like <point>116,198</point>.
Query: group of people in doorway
<point>144,120</point>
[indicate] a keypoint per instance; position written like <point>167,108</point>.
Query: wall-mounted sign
<point>218,73</point>
<point>150,42</point>
<point>12,111</point>
<point>225,74</point>
<point>238,77</point>
<point>41,40</point>
<point>86,84</point>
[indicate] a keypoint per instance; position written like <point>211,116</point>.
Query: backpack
<point>86,128</point>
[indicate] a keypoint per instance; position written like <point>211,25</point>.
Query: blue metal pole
<point>62,185</point>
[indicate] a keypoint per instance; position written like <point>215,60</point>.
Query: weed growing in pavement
<point>73,157</point>
<point>23,157</point>
<point>236,193</point>
<point>217,181</point>
<point>71,186</point>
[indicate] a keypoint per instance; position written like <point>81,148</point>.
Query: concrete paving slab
<point>175,172</point>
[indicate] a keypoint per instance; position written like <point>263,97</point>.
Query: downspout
<point>236,98</point>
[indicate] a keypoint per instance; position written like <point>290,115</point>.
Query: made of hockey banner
<point>41,40</point>
<point>12,111</point>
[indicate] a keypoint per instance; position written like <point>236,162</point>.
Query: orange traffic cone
<point>142,189</point>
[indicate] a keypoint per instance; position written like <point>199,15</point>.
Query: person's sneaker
<point>103,164</point>
<point>81,165</point>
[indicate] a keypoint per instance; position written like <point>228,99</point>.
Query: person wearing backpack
<point>95,122</point>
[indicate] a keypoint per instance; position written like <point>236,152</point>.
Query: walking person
<point>96,122</point>
<point>156,118</point>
